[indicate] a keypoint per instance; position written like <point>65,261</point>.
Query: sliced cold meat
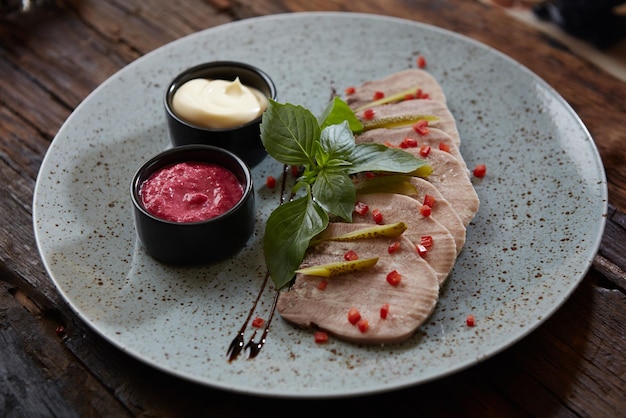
<point>400,208</point>
<point>396,136</point>
<point>405,113</point>
<point>442,211</point>
<point>453,182</point>
<point>411,302</point>
<point>413,79</point>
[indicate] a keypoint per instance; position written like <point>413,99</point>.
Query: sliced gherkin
<point>375,231</point>
<point>399,184</point>
<point>423,172</point>
<point>398,97</point>
<point>396,121</point>
<point>341,267</point>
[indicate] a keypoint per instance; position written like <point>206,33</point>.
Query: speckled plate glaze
<point>540,223</point>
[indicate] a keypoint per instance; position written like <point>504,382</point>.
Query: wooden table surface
<point>51,59</point>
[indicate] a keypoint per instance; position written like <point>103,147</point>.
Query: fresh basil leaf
<point>378,157</point>
<point>337,112</point>
<point>288,231</point>
<point>335,192</point>
<point>290,133</point>
<point>336,145</point>
<point>337,141</point>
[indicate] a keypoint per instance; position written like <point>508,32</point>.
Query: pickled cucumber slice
<point>423,172</point>
<point>376,231</point>
<point>398,97</point>
<point>341,267</point>
<point>396,121</point>
<point>387,184</point>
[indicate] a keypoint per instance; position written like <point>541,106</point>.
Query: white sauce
<point>218,103</point>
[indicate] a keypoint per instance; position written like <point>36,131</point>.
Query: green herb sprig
<point>329,156</point>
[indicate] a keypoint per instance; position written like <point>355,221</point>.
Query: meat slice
<point>411,302</point>
<point>453,182</point>
<point>413,108</point>
<point>394,137</point>
<point>400,208</point>
<point>442,211</point>
<point>412,78</point>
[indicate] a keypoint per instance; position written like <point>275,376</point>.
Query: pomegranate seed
<point>480,170</point>
<point>322,285</point>
<point>384,311</point>
<point>377,216</point>
<point>426,241</point>
<point>270,182</point>
<point>425,150</point>
<point>363,325</point>
<point>393,247</point>
<point>350,90</point>
<point>444,147</point>
<point>393,278</point>
<point>350,256</point>
<point>470,320</point>
<point>408,143</point>
<point>421,61</point>
<point>321,337</point>
<point>258,322</point>
<point>295,170</point>
<point>421,127</point>
<point>426,210</point>
<point>421,250</point>
<point>369,114</point>
<point>361,208</point>
<point>429,200</point>
<point>409,96</point>
<point>60,330</point>
<point>379,95</point>
<point>354,315</point>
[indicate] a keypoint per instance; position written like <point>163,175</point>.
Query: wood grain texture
<point>573,365</point>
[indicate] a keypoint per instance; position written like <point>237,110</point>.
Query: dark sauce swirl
<point>252,348</point>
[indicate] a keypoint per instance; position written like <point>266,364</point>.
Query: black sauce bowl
<point>243,140</point>
<point>202,242</point>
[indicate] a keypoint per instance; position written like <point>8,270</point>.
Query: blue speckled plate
<point>539,226</point>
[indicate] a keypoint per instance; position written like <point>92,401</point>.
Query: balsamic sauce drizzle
<point>237,345</point>
<point>253,348</point>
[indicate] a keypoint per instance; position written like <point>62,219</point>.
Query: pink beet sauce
<point>190,192</point>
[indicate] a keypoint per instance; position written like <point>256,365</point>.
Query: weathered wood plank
<point>19,94</point>
<point>138,25</point>
<point>59,52</point>
<point>38,376</point>
<point>613,246</point>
